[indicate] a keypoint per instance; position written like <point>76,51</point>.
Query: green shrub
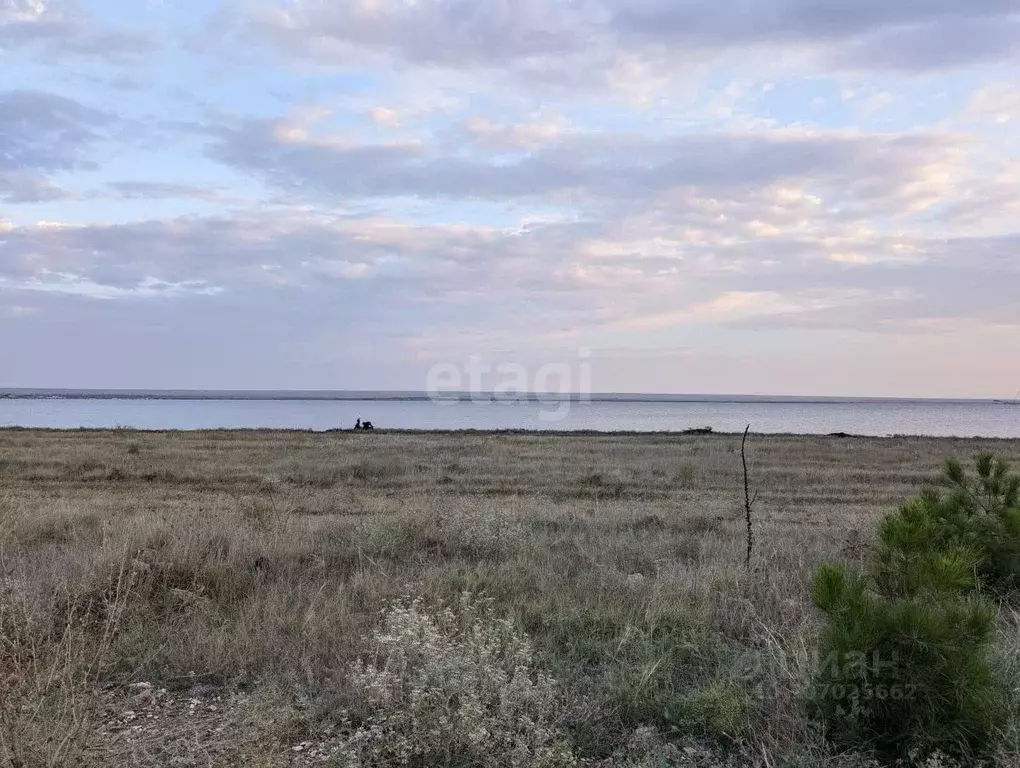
<point>906,674</point>
<point>977,518</point>
<point>907,652</point>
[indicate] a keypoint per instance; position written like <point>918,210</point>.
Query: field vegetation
<point>464,599</point>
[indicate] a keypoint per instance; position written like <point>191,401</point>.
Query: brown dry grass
<point>258,562</point>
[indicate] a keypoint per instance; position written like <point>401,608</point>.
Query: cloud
<point>57,30</point>
<point>396,180</point>
<point>319,290</point>
<point>517,136</point>
<point>590,166</point>
<point>579,40</point>
<point>383,116</point>
<point>912,34</point>
<point>77,285</point>
<point>998,103</point>
<point>45,132</point>
<point>21,187</point>
<point>944,44</point>
<point>698,270</point>
<point>441,32</point>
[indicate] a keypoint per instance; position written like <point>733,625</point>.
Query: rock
<point>202,691</point>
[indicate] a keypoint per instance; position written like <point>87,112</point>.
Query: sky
<point>814,197</point>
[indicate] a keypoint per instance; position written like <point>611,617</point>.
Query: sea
<point>320,411</point>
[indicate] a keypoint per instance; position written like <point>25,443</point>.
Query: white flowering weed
<point>455,688</point>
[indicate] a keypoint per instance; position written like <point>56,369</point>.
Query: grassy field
<point>203,598</point>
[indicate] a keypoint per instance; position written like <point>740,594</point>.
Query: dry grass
<point>256,565</point>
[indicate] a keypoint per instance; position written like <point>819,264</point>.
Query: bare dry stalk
<point>748,501</point>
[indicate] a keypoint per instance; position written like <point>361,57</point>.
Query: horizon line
<point>31,393</point>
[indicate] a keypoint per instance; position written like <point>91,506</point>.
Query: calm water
<point>950,418</point>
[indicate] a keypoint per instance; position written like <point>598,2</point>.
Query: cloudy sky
<point>760,196</point>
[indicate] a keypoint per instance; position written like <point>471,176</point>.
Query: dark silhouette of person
<point>358,423</point>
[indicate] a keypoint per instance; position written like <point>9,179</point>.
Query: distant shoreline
<point>664,434</point>
<point>463,397</point>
